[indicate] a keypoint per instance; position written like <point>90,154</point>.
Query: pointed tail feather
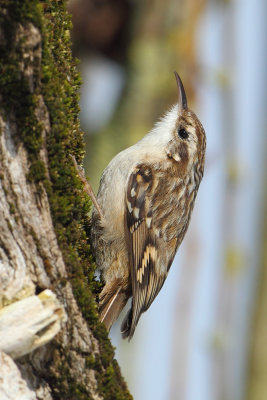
<point>111,305</point>
<point>128,325</point>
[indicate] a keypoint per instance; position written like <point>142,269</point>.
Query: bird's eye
<point>183,134</point>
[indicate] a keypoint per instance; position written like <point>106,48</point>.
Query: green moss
<point>106,384</point>
<point>90,362</point>
<point>19,98</point>
<point>10,228</point>
<point>57,80</point>
<point>37,171</point>
<point>12,208</point>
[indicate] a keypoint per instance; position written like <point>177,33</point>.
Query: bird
<point>142,211</point>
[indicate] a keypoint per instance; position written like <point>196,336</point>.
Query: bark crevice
<point>44,221</point>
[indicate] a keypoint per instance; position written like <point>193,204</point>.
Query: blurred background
<point>205,336</point>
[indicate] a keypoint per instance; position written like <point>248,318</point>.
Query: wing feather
<point>142,245</point>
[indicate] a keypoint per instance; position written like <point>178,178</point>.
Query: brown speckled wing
<point>142,245</point>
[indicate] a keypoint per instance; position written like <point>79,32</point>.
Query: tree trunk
<point>44,221</point>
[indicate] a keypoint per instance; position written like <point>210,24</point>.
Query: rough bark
<point>44,221</point>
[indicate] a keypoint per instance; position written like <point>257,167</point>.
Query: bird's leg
<point>87,187</point>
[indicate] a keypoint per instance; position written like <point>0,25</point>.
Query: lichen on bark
<point>49,224</point>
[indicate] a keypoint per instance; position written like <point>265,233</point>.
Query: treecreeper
<point>142,211</point>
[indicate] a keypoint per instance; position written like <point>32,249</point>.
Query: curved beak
<point>182,101</point>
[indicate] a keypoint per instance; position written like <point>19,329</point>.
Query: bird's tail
<point>126,326</point>
<point>129,324</point>
<point>111,304</point>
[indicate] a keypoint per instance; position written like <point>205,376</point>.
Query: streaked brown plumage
<point>146,197</point>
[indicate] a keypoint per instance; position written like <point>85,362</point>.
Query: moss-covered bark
<point>38,89</point>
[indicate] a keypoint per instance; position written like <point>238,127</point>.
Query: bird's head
<point>187,140</point>
<point>179,133</point>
